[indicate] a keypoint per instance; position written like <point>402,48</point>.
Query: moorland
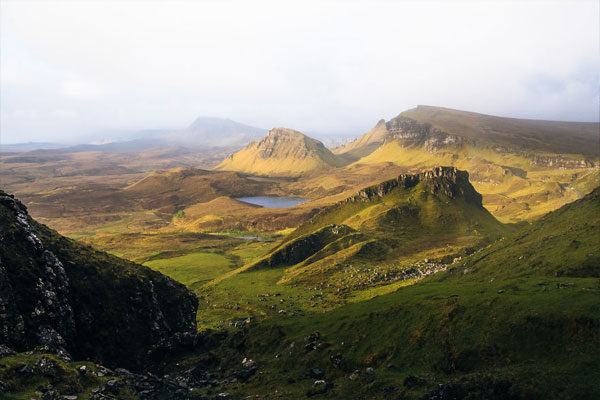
<point>443,254</point>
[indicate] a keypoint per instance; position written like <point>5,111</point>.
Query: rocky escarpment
<point>448,181</point>
<point>68,298</point>
<point>410,132</point>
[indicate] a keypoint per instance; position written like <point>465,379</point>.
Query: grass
<point>193,268</point>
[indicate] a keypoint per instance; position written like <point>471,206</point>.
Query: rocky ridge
<point>72,300</point>
<point>449,181</point>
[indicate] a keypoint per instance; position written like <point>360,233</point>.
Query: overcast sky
<point>71,68</point>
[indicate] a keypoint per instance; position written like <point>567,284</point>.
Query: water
<point>273,201</point>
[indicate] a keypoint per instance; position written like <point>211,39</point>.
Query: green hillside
<point>433,215</point>
<point>498,324</point>
<point>523,168</point>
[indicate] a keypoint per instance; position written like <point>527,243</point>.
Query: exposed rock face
<point>410,132</point>
<point>561,162</point>
<point>445,180</point>
<point>407,132</point>
<point>70,298</point>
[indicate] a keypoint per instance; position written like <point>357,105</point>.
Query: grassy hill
<point>389,227</point>
<point>517,319</point>
<point>283,152</point>
<point>523,168</point>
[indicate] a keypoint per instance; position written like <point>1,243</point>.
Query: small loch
<point>273,201</point>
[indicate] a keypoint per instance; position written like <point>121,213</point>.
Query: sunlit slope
<point>282,152</point>
<point>393,224</point>
<point>523,168</point>
<point>565,242</point>
<point>517,319</point>
<point>560,137</point>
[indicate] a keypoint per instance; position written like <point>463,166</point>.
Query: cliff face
<point>448,181</point>
<point>407,132</point>
<point>66,297</point>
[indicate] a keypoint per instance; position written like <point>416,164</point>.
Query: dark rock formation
<point>448,181</point>
<point>69,298</point>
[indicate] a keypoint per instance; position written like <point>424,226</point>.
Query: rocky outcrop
<point>560,162</point>
<point>410,132</point>
<point>448,181</point>
<point>303,247</point>
<point>71,299</point>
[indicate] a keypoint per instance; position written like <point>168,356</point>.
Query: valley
<point>443,254</point>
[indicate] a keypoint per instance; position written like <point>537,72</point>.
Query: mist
<point>69,70</point>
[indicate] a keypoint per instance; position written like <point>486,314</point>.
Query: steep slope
<point>282,152</point>
<point>214,132</point>
<point>518,319</point>
<point>68,297</point>
<point>523,168</point>
<point>435,214</point>
<point>436,127</point>
<point>563,242</point>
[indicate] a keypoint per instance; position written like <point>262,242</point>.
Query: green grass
<point>194,267</point>
<point>68,380</point>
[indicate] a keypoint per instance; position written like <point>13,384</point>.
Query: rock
<point>369,371</point>
<point>319,387</point>
<point>74,294</point>
<point>69,397</point>
<point>316,373</point>
<point>47,366</point>
<point>247,363</point>
<point>25,370</point>
<point>222,395</point>
<point>336,360</point>
<point>82,370</point>
<point>354,375</point>
<point>6,351</point>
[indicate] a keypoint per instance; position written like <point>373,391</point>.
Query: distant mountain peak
<point>283,151</point>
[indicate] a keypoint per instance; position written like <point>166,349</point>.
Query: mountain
<point>214,132</point>
<point>283,152</point>
<point>523,168</point>
<point>70,298</point>
<point>391,225</point>
<point>435,128</point>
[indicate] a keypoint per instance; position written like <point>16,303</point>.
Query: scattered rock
<point>316,373</point>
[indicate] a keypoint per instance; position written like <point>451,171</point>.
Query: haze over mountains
<point>204,132</point>
<point>397,276</point>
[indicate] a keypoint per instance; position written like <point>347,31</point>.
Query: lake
<point>272,201</point>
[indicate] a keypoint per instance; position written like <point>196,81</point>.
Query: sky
<point>72,70</point>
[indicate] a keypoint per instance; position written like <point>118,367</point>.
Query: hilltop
<point>435,128</point>
<point>283,152</point>
<point>434,214</point>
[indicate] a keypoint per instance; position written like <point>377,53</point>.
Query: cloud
<point>327,66</point>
